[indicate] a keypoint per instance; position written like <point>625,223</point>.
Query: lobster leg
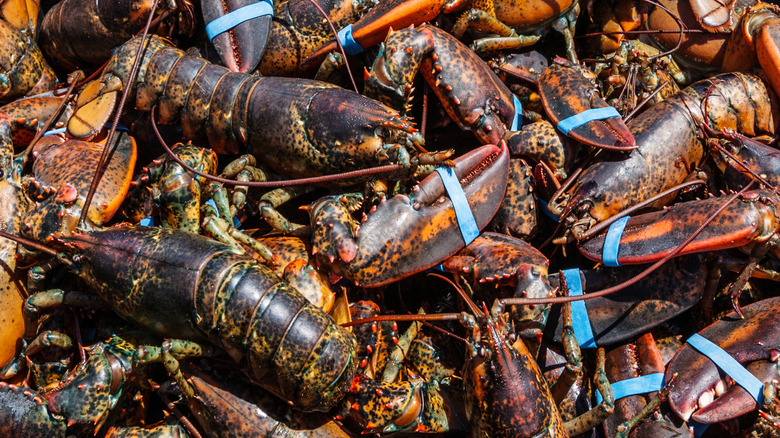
<point>597,415</point>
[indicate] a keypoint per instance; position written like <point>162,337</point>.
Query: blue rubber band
<point>56,131</point>
<point>468,225</point>
<point>517,122</point>
<point>609,253</point>
<point>729,365</point>
<point>119,127</point>
<point>147,222</point>
<point>635,386</point>
<point>240,15</point>
<point>579,313</point>
<point>586,116</point>
<point>236,222</point>
<point>697,428</point>
<point>351,46</point>
<point>547,211</point>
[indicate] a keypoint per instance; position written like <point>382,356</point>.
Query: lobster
<point>666,135</point>
<point>232,110</point>
<point>235,303</point>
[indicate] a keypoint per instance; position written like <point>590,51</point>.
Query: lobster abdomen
<point>179,284</point>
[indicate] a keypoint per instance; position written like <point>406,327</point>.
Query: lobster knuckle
<point>334,238</point>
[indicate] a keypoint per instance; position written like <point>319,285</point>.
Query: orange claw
<point>372,29</point>
<point>566,92</point>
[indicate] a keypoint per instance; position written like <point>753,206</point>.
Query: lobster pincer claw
<point>754,341</point>
<point>573,103</point>
<point>649,237</point>
<point>239,30</point>
<point>410,233</point>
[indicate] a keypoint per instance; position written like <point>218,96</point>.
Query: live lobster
<point>234,110</point>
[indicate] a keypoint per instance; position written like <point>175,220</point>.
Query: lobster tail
<point>295,350</point>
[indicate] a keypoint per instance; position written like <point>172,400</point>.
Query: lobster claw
<point>241,48</point>
<point>373,27</point>
<point>753,340</point>
<point>566,92</point>
<point>649,237</point>
<point>408,234</point>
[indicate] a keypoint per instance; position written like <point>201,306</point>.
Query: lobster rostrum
<point>669,146</point>
<point>330,129</point>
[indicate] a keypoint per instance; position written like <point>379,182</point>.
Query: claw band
<point>56,131</point>
<point>579,313</point>
<point>468,225</point>
<point>119,127</point>
<point>351,46</point>
<point>236,222</point>
<point>586,116</point>
<point>240,15</point>
<point>729,365</point>
<point>517,122</point>
<point>635,386</point>
<point>609,253</point>
<point>547,211</point>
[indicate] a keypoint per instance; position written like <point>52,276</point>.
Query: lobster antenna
<point>389,168</point>
<point>30,243</point>
<point>643,274</point>
<point>108,150</point>
<point>338,42</point>
<point>633,112</point>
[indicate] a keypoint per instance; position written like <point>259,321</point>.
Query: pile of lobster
<point>316,243</point>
